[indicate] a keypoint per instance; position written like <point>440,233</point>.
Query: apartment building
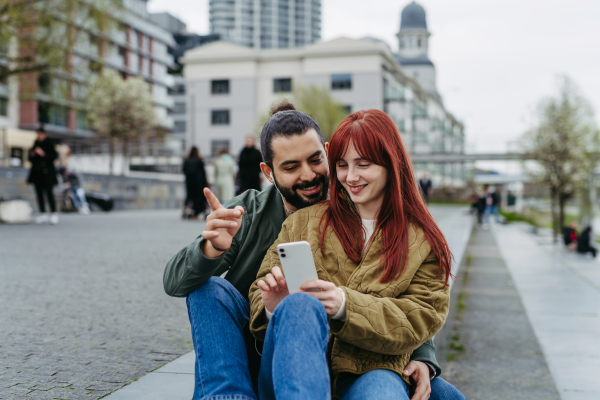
<point>267,24</point>
<point>184,41</point>
<point>230,86</point>
<point>137,48</point>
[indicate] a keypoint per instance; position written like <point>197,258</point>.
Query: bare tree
<point>120,110</point>
<point>564,146</point>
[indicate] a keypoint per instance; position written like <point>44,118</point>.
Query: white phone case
<point>297,264</point>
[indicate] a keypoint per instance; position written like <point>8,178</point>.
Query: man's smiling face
<point>300,168</point>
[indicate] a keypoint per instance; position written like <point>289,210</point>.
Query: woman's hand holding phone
<point>327,293</point>
<point>273,289</point>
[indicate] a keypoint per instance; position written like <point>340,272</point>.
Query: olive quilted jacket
<point>385,322</point>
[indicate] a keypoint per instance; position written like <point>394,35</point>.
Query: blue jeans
<point>491,210</point>
<point>294,359</point>
<point>218,314</point>
<point>387,384</point>
<point>442,390</point>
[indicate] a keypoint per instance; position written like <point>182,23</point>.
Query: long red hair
<point>376,138</point>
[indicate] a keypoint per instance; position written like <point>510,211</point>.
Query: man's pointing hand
<point>221,226</point>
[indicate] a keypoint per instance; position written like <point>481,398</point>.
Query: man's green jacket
<point>261,223</point>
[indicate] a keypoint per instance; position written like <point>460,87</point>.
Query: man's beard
<point>296,200</point>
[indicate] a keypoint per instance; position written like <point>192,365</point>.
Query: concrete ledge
<point>173,381</point>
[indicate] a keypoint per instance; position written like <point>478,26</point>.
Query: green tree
<point>319,104</point>
<point>564,146</point>
<point>120,110</point>
<point>37,35</point>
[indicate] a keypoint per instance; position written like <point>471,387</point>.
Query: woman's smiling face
<point>364,181</point>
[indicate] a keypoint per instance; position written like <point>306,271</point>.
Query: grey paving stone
<point>82,303</point>
<point>488,348</point>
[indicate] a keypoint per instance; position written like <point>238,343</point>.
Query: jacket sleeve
<point>396,325</point>
<point>258,324</point>
<point>190,268</point>
<point>426,353</point>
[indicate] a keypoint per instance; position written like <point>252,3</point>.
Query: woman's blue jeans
<point>294,361</point>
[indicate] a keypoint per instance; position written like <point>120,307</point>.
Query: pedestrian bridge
<point>442,158</point>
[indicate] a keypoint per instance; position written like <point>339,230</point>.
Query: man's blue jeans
<point>218,314</point>
<point>493,210</point>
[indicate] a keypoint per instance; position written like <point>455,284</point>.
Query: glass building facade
<point>267,24</point>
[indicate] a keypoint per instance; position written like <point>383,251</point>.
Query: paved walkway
<point>490,347</point>
<point>175,381</point>
<point>561,293</point>
<point>82,307</point>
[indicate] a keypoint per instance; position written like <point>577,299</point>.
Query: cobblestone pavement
<point>487,347</point>
<point>82,307</point>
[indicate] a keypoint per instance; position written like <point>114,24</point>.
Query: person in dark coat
<point>584,243</point>
<point>426,186</point>
<point>43,175</point>
<point>249,166</point>
<point>195,181</point>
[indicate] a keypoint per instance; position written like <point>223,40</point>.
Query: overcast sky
<point>494,59</point>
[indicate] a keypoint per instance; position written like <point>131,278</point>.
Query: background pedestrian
<point>195,181</point>
<point>426,186</point>
<point>224,176</point>
<point>249,166</point>
<point>492,205</point>
<point>43,175</point>
<point>480,206</point>
<point>584,244</point>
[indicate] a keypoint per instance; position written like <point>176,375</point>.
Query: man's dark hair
<point>41,129</point>
<point>285,121</point>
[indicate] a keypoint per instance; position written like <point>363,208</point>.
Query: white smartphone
<point>297,264</point>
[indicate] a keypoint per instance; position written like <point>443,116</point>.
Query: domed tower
<point>413,47</point>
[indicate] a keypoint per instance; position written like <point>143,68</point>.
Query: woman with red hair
<point>383,267</point>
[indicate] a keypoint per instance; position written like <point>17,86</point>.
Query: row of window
<point>409,42</point>
<point>59,115</point>
<point>222,117</point>
<point>284,85</point>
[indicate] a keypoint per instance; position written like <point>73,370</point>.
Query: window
<point>217,145</point>
<point>401,43</point>
<point>179,126</point>
<point>341,82</point>
<point>179,108</point>
<point>220,117</point>
<point>220,86</point>
<point>282,85</point>
<point>419,42</point>
<point>82,121</point>
<point>3,106</point>
<point>44,83</point>
<point>347,109</point>
<point>58,115</point>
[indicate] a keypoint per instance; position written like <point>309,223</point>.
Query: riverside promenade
<point>83,314</point>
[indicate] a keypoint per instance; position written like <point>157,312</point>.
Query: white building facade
<point>267,24</point>
<point>229,87</point>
